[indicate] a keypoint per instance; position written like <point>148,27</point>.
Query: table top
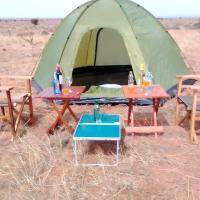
<point>74,94</point>
<point>155,91</point>
<point>108,129</point>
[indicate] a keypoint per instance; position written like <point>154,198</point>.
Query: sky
<point>60,8</point>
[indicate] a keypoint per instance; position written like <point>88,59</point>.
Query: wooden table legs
<point>60,118</point>
<point>156,104</point>
<point>154,128</point>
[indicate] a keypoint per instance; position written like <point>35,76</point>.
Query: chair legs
<point>193,135</point>
<point>177,119</point>
<point>14,115</point>
<point>2,110</point>
<point>191,115</point>
<point>30,111</point>
<point>10,109</point>
<point>17,121</point>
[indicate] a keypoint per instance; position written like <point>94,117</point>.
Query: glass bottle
<point>56,86</point>
<point>142,74</point>
<point>59,76</point>
<point>97,117</point>
<point>130,79</point>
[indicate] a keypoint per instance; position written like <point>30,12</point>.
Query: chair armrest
<point>192,87</point>
<point>190,76</point>
<point>5,88</point>
<point>16,77</point>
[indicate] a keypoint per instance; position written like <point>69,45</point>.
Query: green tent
<point>111,33</point>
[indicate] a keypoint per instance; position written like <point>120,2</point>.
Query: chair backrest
<point>185,89</point>
<point>20,83</point>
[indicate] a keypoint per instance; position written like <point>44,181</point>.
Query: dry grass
<point>36,166</point>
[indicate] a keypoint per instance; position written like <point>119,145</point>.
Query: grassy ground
<point>36,166</point>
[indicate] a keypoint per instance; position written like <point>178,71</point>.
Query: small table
<point>75,93</point>
<point>155,93</point>
<point>109,129</point>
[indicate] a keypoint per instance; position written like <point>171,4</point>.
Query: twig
<point>116,194</point>
<point>140,157</point>
<point>188,188</point>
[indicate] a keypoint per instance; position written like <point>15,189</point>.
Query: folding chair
<point>13,100</point>
<point>187,96</point>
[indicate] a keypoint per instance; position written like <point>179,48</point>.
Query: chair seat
<point>16,98</point>
<point>187,101</point>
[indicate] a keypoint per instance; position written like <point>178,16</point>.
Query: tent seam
<point>130,25</point>
<point>75,25</point>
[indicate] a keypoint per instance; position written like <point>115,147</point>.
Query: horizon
<point>59,18</point>
<point>35,8</point>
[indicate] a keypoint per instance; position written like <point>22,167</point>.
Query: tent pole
<point>97,41</point>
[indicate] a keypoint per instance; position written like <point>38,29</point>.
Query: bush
<point>35,21</point>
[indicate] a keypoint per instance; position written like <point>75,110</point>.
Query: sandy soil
<point>35,166</point>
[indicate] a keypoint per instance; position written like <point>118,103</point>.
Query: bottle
<point>59,76</point>
<point>142,74</point>
<point>150,78</point>
<point>97,113</point>
<point>56,86</point>
<point>130,79</point>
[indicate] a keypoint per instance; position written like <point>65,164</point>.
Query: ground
<point>36,166</point>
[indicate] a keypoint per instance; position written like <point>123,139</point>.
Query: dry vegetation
<point>36,166</point>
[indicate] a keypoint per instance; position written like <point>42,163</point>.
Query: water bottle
<point>97,116</point>
<point>56,85</point>
<point>149,78</point>
<point>130,79</point>
<point>59,76</point>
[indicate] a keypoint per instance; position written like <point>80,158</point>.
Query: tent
<point>107,36</point>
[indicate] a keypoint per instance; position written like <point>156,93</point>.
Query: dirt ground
<point>36,166</point>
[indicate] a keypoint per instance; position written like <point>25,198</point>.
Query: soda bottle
<point>130,79</point>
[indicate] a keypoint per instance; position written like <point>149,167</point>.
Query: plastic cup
<point>65,91</point>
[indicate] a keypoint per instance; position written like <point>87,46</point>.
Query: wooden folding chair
<point>13,100</point>
<point>187,96</point>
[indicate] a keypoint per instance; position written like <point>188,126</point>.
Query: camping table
<point>109,129</point>
<point>135,92</point>
<point>47,94</point>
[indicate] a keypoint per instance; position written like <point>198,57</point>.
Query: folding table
<point>155,92</point>
<point>52,98</point>
<point>109,129</point>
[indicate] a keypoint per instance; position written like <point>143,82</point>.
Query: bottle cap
<point>141,66</point>
<point>58,67</point>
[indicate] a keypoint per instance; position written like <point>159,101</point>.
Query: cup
<point>68,81</point>
<point>65,90</point>
<point>146,83</point>
<point>66,85</point>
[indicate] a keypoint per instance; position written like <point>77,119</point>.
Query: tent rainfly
<point>111,33</point>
